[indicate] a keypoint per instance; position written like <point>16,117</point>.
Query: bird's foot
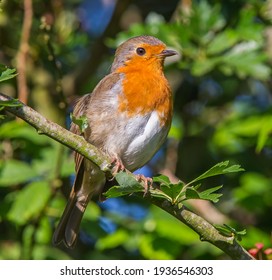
<point>117,166</point>
<point>146,181</point>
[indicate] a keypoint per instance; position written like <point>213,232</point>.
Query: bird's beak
<point>166,53</point>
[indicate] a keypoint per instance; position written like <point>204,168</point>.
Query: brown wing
<point>79,110</point>
<point>90,105</point>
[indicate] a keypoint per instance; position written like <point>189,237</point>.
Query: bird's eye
<point>140,51</point>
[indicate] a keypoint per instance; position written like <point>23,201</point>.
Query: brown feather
<point>89,180</point>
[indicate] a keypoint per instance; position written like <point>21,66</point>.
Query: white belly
<point>144,137</point>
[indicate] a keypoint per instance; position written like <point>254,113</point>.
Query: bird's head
<point>141,51</point>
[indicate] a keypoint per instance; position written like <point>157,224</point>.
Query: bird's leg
<point>117,165</point>
<point>146,180</point>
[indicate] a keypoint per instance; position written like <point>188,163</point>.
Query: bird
<point>129,115</point>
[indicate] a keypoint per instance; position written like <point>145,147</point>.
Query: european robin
<point>129,114</point>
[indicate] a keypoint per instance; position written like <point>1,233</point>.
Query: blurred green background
<point>223,94</point>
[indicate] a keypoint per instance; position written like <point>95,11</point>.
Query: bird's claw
<point>117,166</point>
<point>147,181</point>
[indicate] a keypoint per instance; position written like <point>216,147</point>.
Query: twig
<point>59,134</point>
<point>23,51</point>
<point>203,208</point>
<point>205,230</point>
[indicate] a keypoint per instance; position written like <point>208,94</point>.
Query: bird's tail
<point>68,227</point>
<point>89,180</point>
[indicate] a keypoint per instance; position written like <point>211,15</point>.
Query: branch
<point>23,51</point>
<point>58,133</point>
<point>206,231</point>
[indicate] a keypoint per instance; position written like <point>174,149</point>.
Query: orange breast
<point>145,89</point>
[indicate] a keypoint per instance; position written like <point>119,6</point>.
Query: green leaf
<point>13,172</point>
<point>218,169</point>
<point>7,73</point>
<point>43,232</point>
<point>48,160</point>
<point>172,190</point>
<point>202,66</point>
<point>222,41</point>
<point>229,231</point>
<point>11,103</point>
<point>246,61</point>
<point>167,190</point>
<point>156,192</point>
<point>223,230</point>
<point>82,122</point>
<point>210,195</point>
<point>127,185</point>
<point>264,133</point>
<point>29,202</point>
<point>191,193</point>
<point>161,179</point>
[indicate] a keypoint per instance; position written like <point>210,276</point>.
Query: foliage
<point>230,231</point>
<point>174,193</point>
<point>6,73</point>
<point>81,122</point>
<point>222,106</point>
<point>209,43</point>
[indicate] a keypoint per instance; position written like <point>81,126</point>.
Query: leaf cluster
<point>6,73</point>
<point>28,189</point>
<point>208,42</point>
<point>174,193</point>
